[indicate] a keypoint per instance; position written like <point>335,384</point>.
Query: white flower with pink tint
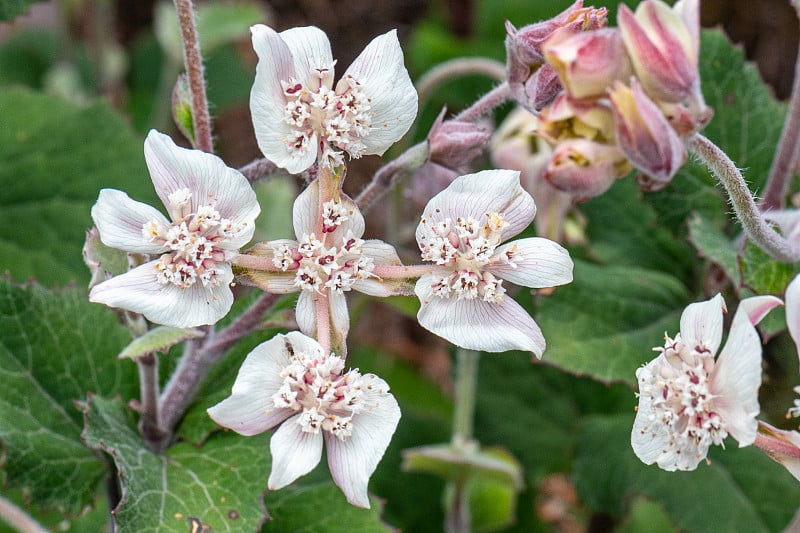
<point>462,232</point>
<point>299,115</point>
<point>289,380</point>
<point>688,400</point>
<point>212,211</point>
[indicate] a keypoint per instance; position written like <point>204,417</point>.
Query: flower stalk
<point>485,104</point>
<point>193,61</point>
<point>149,425</point>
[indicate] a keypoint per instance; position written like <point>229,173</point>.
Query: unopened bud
<point>455,144</point>
<point>585,168</point>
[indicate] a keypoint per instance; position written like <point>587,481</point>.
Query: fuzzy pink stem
<point>402,272</point>
<point>485,104</point>
<point>193,60</point>
<point>323,310</point>
<point>255,262</point>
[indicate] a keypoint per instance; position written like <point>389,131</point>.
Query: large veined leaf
<point>54,159</point>
<point>55,347</point>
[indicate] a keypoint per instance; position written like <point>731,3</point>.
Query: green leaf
<point>715,246</point>
<point>54,348</point>
<point>741,490</point>
<point>220,485</point>
<point>606,322</point>
<point>54,159</point>
<point>646,516</point>
<point>9,9</point>
<point>159,339</point>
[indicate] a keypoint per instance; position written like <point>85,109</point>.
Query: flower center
<point>327,398</point>
<point>466,247</point>
<point>682,401</point>
<point>318,267</point>
<point>191,242</point>
<point>340,118</point>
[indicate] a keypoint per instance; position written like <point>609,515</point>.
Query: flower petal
<point>385,81</point>
<point>140,291</point>
<point>476,324</point>
<point>250,409</point>
<point>701,324</point>
<point>757,307</point>
<point>120,221</point>
<point>306,313</point>
<point>649,437</point>
<point>538,263</point>
<point>306,217</point>
<point>294,453</point>
<point>311,52</point>
<point>736,378</point>
<point>268,101</point>
<point>793,310</point>
<point>488,191</point>
<point>382,254</point>
<point>208,178</point>
<point>353,461</point>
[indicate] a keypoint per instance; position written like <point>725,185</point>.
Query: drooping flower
<point>461,232</point>
<point>300,117</point>
<point>212,211</point>
<point>688,400</point>
<point>290,381</point>
<point>328,258</point>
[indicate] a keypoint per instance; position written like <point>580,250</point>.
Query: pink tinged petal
<point>306,313</point>
<point>385,81</point>
<point>476,324</point>
<point>140,291</point>
<point>306,217</point>
<point>701,324</point>
<point>488,191</point>
<point>793,310</point>
<point>120,221</point>
<point>353,461</point>
<point>340,321</point>
<point>736,378</point>
<point>757,307</point>
<point>294,452</point>
<point>310,51</point>
<point>250,409</point>
<point>268,101</point>
<point>211,182</point>
<point>645,135</point>
<point>382,254</point>
<point>538,263</point>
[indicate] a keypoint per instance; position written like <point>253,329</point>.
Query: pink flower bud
<point>534,84</point>
<point>663,44</point>
<point>585,168</point>
<point>569,119</point>
<point>588,62</point>
<point>644,134</point>
<point>455,144</point>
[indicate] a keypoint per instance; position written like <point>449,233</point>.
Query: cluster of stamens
<point>682,403</point>
<point>327,397</point>
<point>466,247</point>
<point>341,118</point>
<point>191,242</point>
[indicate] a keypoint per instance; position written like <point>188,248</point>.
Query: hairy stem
<point>742,201</point>
<point>149,425</point>
<point>485,104</point>
<point>258,170</point>
<point>389,174</point>
<point>788,147</point>
<point>199,357</point>
<point>456,68</point>
<point>193,60</point>
<point>323,314</point>
<point>16,517</point>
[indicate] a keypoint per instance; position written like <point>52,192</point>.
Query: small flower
<point>300,117</point>
<point>328,258</point>
<point>688,400</point>
<point>212,211</point>
<point>461,232</point>
<point>290,381</point>
<point>645,135</point>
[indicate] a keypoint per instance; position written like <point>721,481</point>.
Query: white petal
<point>488,191</point>
<point>353,461</point>
<point>649,438</point>
<point>294,453</point>
<point>539,263</point>
<point>793,310</point>
<point>736,378</point>
<point>386,83</point>
<point>250,409</point>
<point>310,51</point>
<point>757,307</point>
<point>120,221</point>
<point>306,313</point>
<point>306,217</point>
<point>382,254</point>
<point>208,178</point>
<point>701,324</point>
<point>340,321</point>
<point>476,324</point>
<point>140,291</point>
<point>268,102</point>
